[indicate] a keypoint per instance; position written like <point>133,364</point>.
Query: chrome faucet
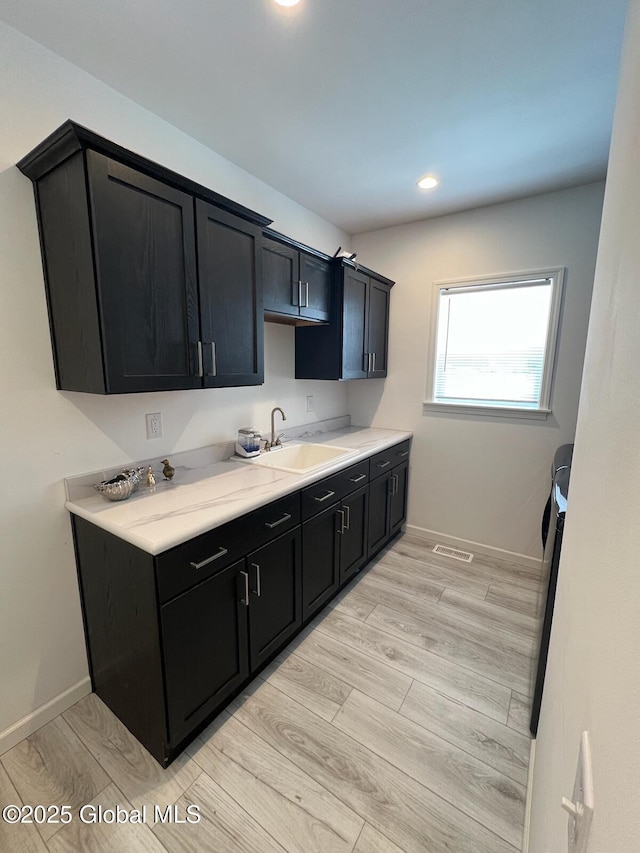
<point>275,442</point>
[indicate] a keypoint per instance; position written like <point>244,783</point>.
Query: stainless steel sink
<point>300,458</point>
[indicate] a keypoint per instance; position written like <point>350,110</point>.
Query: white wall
<point>483,479</point>
<point>47,435</point>
<point>593,672</point>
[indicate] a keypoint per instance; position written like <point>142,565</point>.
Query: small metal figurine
<point>168,471</point>
<point>151,477</point>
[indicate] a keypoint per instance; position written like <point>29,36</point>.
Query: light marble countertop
<point>211,493</point>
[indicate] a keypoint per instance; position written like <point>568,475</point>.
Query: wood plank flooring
<point>396,722</point>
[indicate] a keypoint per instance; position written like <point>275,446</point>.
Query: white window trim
<point>544,409</point>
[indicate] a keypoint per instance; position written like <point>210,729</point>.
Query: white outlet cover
<point>154,425</point>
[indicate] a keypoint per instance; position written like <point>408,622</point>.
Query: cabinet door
<point>230,279</point>
<point>379,490</point>
<point>398,493</point>
<point>320,560</point>
<point>353,541</point>
<point>377,328</point>
<point>144,243</point>
<point>275,595</point>
<point>354,330</point>
<point>280,276</point>
<point>204,633</point>
<point>316,277</point>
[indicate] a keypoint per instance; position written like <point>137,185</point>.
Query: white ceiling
<point>344,104</point>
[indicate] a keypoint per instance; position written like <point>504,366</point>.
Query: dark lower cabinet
<point>353,539</point>
<point>172,638</point>
<point>204,639</point>
<point>320,560</point>
<point>275,596</point>
<point>398,490</point>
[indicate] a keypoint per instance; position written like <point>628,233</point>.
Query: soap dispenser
<point>248,443</point>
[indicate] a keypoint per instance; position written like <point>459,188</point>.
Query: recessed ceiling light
<point>428,182</point>
<point>287,2</point>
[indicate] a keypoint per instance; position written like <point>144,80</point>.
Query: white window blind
<point>495,341</point>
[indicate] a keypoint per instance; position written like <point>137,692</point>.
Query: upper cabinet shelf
<point>153,281</point>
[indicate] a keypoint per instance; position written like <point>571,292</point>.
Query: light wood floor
<point>396,721</point>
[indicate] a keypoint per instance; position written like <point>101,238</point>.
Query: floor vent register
<point>455,553</point>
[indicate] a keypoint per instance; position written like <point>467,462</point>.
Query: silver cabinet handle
<point>245,600</point>
<point>402,453</point>
<point>282,520</point>
<point>325,497</point>
<point>383,464</point>
<point>373,360</point>
<point>358,478</point>
<point>220,553</point>
<point>200,367</point>
<point>299,294</point>
<point>256,591</point>
<point>369,368</point>
<point>395,481</point>
<point>214,360</point>
<point>341,529</point>
<point>347,510</point>
<point>306,294</point>
<point>392,483</point>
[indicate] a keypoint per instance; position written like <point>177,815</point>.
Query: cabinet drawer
<point>387,459</point>
<point>186,565</point>
<point>200,558</point>
<point>317,497</point>
<point>264,524</point>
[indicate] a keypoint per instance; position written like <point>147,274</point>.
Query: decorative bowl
<point>118,489</point>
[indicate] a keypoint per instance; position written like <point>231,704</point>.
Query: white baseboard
<point>476,547</point>
<point>43,715</point>
<point>527,805</point>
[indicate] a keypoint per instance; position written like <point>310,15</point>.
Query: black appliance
<point>552,528</point>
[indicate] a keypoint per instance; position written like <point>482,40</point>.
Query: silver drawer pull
<point>383,464</point>
<point>257,589</point>
<point>245,600</point>
<point>402,453</point>
<point>359,478</point>
<point>221,553</point>
<point>272,524</point>
<point>326,497</point>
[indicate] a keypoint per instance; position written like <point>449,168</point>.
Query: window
<point>493,344</point>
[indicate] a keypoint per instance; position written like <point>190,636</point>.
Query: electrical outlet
<point>310,403</point>
<point>154,425</point>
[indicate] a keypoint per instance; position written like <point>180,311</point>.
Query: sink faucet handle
<point>278,442</point>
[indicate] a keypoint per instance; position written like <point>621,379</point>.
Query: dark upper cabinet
<point>355,343</point>
<point>142,297</point>
<point>297,284</point>
<point>229,275</point>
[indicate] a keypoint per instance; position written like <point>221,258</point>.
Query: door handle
<point>347,510</point>
<point>340,512</point>
<point>200,367</point>
<point>245,600</point>
<point>373,362</point>
<point>273,524</point>
<point>214,360</point>
<point>220,553</point>
<point>306,294</point>
<point>256,591</point>
<point>325,497</point>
